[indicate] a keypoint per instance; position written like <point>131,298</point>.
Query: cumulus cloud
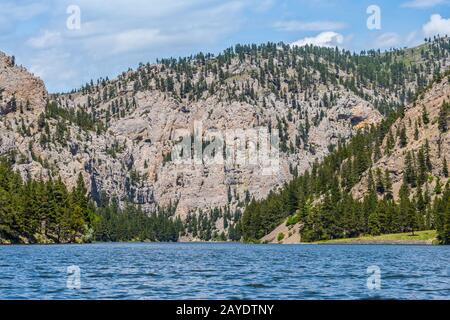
<point>437,25</point>
<point>45,40</point>
<point>421,4</point>
<point>141,18</point>
<point>24,11</point>
<point>264,5</point>
<point>388,39</point>
<point>324,39</point>
<point>62,68</point>
<point>414,38</point>
<point>12,12</point>
<point>296,25</point>
<point>203,26</point>
<point>117,34</point>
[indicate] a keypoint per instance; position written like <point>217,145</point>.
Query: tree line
<point>321,199</point>
<point>38,211</point>
<point>46,211</point>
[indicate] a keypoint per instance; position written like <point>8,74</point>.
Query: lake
<point>224,271</point>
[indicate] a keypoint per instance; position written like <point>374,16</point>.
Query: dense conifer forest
<point>45,211</point>
<point>38,211</point>
<point>321,199</point>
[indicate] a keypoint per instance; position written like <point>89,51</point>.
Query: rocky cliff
<point>120,134</point>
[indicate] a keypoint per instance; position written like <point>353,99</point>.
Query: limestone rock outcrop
<point>121,133</point>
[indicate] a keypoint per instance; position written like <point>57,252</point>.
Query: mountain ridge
<point>119,133</point>
<point>390,179</point>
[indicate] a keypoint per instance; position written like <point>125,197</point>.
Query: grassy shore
<point>419,237</point>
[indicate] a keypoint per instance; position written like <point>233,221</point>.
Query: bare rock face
<point>284,234</point>
<point>129,160</point>
<point>7,141</point>
<point>22,98</point>
<point>19,89</point>
<point>147,136</point>
<point>121,134</point>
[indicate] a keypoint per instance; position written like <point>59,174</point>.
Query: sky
<point>69,42</point>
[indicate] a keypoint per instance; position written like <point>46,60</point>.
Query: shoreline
<point>427,237</point>
<point>320,243</point>
<point>368,242</point>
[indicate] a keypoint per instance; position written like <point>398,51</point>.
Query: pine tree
<point>403,137</point>
<point>422,170</point>
<point>388,186</point>
<point>409,176</point>
<point>374,223</point>
<point>80,199</point>
<point>380,188</point>
<point>427,156</point>
<point>229,195</point>
<point>416,132</point>
<point>425,117</point>
<point>443,115</point>
<point>445,168</point>
<point>442,213</point>
<point>390,143</point>
<point>407,212</point>
<point>438,187</point>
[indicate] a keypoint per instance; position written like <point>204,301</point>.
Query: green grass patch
<point>428,235</point>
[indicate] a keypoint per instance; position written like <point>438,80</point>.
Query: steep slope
<point>120,134</point>
<point>316,97</point>
<point>20,89</point>
<point>417,145</point>
<point>22,98</point>
<point>392,178</point>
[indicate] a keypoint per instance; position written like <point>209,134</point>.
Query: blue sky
<point>115,35</point>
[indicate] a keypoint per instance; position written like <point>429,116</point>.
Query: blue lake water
<point>223,271</point>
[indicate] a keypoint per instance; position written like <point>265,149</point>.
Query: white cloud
<point>324,39</point>
<point>264,5</point>
<point>199,27</point>
<point>127,41</point>
<point>61,68</point>
<point>117,34</point>
<point>414,38</point>
<point>437,25</point>
<point>388,39</point>
<point>11,13</point>
<point>420,4</point>
<point>45,40</point>
<point>14,11</point>
<point>136,39</point>
<point>141,40</point>
<point>296,25</point>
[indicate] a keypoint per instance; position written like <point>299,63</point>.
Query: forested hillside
<point>116,136</point>
<point>37,211</point>
<point>42,211</point>
<point>322,202</point>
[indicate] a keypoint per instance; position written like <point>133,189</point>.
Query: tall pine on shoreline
<point>38,211</point>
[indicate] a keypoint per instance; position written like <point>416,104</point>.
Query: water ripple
<point>223,271</point>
